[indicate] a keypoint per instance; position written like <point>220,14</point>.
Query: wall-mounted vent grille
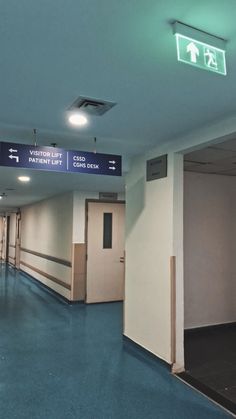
<point>92,106</point>
<point>113,196</point>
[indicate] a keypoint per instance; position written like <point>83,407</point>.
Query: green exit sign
<point>198,53</point>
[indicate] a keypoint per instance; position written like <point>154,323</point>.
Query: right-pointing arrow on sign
<point>112,162</point>
<point>112,168</point>
<point>194,52</point>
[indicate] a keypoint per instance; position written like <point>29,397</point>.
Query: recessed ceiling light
<point>0,197</point>
<point>24,178</point>
<point>77,119</point>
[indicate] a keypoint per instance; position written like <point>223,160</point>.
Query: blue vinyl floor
<point>63,362</point>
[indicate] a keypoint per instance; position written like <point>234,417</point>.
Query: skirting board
<point>138,350</point>
<point>49,290</point>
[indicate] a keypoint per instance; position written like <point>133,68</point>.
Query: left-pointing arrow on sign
<point>12,151</point>
<point>14,157</point>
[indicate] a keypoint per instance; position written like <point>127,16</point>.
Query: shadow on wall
<point>135,203</point>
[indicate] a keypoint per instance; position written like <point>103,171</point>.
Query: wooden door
<point>105,252</point>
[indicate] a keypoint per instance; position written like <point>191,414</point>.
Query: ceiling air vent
<point>92,106</point>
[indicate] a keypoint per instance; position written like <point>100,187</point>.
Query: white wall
<point>46,227</point>
<point>149,247</point>
<point>209,249</point>
<point>51,227</point>
<point>79,198</point>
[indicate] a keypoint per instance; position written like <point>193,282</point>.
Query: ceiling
<point>120,51</point>
<point>219,159</point>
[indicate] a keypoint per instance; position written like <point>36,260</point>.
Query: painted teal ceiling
<point>52,51</point>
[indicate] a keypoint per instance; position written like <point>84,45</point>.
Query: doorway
<point>105,240</point>
<point>209,271</point>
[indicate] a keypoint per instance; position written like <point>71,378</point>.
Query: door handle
<point>122,259</point>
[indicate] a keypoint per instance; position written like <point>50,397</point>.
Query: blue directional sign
<point>96,163</point>
<point>42,158</point>
<point>58,159</point>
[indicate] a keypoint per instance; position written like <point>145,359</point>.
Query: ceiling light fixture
<point>77,119</point>
<point>24,178</point>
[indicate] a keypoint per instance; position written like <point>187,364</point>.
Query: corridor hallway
<point>70,361</point>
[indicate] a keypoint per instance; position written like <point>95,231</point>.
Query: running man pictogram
<point>210,57</point>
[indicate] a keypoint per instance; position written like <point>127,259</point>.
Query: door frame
<point>17,240</point>
<point>8,220</point>
<point>98,201</point>
<point>1,237</point>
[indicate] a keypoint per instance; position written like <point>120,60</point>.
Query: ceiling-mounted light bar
<point>24,179</point>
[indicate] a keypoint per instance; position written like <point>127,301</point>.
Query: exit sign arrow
<point>194,52</point>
